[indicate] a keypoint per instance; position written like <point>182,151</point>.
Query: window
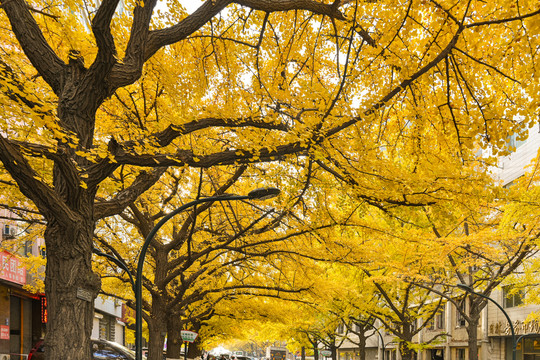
<point>513,143</point>
<point>439,320</point>
<point>460,354</point>
<point>512,297</point>
<point>437,323</point>
<point>390,354</point>
<point>460,320</point>
<point>107,327</point>
<point>28,247</point>
<point>341,329</point>
<point>437,354</point>
<point>8,232</point>
<point>414,325</point>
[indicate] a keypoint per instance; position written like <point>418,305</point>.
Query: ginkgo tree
<point>214,254</point>
<point>248,81</point>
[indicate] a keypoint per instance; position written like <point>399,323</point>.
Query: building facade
<point>22,313</point>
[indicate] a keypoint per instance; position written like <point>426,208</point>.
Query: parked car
<point>101,350</point>
<point>242,357</point>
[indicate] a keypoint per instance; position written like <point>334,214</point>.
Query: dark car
<point>242,357</point>
<point>101,350</point>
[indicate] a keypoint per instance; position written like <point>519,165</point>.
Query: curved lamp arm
<point>261,194</point>
<point>471,291</point>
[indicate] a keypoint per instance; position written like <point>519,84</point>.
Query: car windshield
<point>122,349</point>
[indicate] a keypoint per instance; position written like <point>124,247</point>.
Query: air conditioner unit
<point>5,357</point>
<point>9,233</point>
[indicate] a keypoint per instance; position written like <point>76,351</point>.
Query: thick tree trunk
<point>70,284</point>
<point>156,331</point>
<point>194,350</point>
<point>333,349</point>
<point>174,339</point>
<point>406,338</point>
<point>315,351</point>
<point>406,352</point>
<point>157,327</point>
<point>472,331</point>
<point>362,346</point>
<point>71,287</point>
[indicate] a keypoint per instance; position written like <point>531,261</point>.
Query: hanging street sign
<point>188,335</point>
<point>325,352</point>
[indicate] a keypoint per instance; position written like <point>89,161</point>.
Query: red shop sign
<point>4,332</point>
<point>11,268</point>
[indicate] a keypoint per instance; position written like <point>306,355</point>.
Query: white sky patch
<point>191,5</point>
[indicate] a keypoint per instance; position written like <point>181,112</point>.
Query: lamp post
<point>118,262</point>
<point>382,339</point>
<point>261,194</point>
<point>471,291</point>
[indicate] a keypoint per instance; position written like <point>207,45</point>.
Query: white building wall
<point>495,329</point>
<point>514,165</point>
<point>110,308</point>
<point>119,333</point>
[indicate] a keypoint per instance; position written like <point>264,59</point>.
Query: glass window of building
<point>512,297</point>
<point>439,320</point>
<point>460,320</point>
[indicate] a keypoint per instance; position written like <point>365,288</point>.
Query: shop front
<point>527,336</point>
<point>20,321</point>
<point>527,348</point>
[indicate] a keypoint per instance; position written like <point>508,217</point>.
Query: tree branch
<point>101,27</point>
<point>29,184</point>
<point>123,198</point>
<point>36,48</point>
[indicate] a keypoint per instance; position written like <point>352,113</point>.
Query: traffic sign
<point>325,352</point>
<point>188,335</point>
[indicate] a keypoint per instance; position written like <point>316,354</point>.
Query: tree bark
<point>315,350</point>
<point>194,350</point>
<point>333,349</point>
<point>160,315</point>
<point>406,352</point>
<point>407,336</point>
<point>174,338</point>
<point>157,329</point>
<point>71,287</point>
<point>362,346</point>
<point>472,331</point>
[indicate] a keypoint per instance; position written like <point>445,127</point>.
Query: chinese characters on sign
<point>520,327</point>
<point>11,268</point>
<point>188,336</point>
<point>4,332</point>
<point>44,310</point>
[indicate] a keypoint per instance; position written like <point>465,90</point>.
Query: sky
<point>191,5</point>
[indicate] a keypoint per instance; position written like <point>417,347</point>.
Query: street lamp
<point>260,194</point>
<point>514,343</point>
<point>382,339</point>
<point>118,262</point>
